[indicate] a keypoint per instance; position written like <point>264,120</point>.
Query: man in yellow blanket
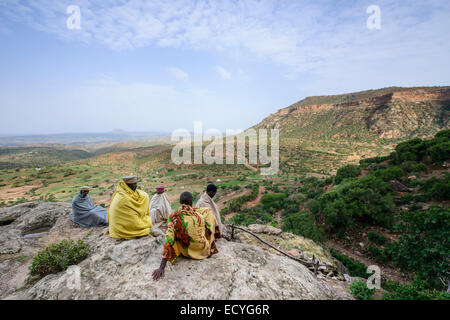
<point>129,212</point>
<point>191,232</point>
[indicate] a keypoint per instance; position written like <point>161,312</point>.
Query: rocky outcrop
<point>117,269</point>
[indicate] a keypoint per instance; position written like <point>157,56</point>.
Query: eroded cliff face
<point>398,113</point>
<point>119,269</point>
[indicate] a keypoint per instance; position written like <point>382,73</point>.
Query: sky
<point>161,65</point>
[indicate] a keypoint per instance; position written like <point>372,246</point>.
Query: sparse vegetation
<point>349,171</point>
<point>303,224</point>
<point>360,290</point>
<point>58,257</point>
<point>356,269</point>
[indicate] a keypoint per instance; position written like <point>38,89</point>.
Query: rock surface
<point>118,269</point>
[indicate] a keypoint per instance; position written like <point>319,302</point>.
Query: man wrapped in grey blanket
<point>85,213</point>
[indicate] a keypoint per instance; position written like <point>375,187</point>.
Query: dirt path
<point>247,165</point>
<point>277,217</point>
<point>256,201</point>
<point>386,271</point>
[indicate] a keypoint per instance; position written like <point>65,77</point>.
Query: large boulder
<point>121,269</point>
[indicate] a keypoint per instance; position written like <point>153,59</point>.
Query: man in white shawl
<point>206,201</point>
<point>160,209</point>
<point>85,213</point>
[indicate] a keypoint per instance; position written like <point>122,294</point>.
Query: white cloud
<point>178,73</point>
<point>223,72</point>
<point>304,36</point>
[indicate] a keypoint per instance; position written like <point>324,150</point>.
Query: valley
<point>358,172</point>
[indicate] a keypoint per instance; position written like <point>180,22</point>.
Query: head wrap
<point>160,189</point>
<point>130,179</point>
<point>85,188</point>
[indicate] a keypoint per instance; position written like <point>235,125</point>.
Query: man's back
<point>129,213</point>
<point>191,232</point>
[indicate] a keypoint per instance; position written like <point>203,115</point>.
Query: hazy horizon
<point>153,66</point>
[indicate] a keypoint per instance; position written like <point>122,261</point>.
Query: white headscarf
<point>206,201</point>
<point>160,210</point>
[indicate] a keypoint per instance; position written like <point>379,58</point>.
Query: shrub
<point>273,201</point>
<point>355,268</point>
<point>407,198</point>
<point>364,200</point>
<point>411,166</point>
<point>412,150</point>
<point>444,135</point>
<point>58,257</point>
<point>349,171</point>
<point>313,205</point>
<point>389,173</point>
<point>360,290</point>
<point>376,160</point>
<point>423,247</point>
<point>255,215</point>
<point>441,191</point>
<point>378,254</point>
<point>303,224</point>
<point>440,152</point>
<point>377,238</point>
<point>417,290</point>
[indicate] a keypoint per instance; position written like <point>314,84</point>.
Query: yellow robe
<point>129,213</point>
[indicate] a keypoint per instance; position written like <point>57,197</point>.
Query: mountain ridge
<point>349,127</point>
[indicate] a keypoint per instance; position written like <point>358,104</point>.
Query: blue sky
<point>159,65</point>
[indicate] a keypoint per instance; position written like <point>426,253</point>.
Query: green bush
<point>360,290</point>
<point>255,215</point>
<point>377,238</point>
<point>417,150</point>
<point>441,191</point>
<point>273,201</point>
<point>58,257</point>
<point>376,160</point>
<point>411,166</point>
<point>424,247</point>
<point>313,206</point>
<point>389,173</point>
<point>407,198</point>
<point>365,200</point>
<point>417,290</point>
<point>355,268</point>
<point>412,150</point>
<point>440,152</point>
<point>349,171</point>
<point>378,254</point>
<point>303,224</point>
<point>443,135</point>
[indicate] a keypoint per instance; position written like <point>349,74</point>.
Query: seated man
<point>129,212</point>
<point>191,232</point>
<point>206,201</point>
<point>85,213</point>
<point>160,209</point>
